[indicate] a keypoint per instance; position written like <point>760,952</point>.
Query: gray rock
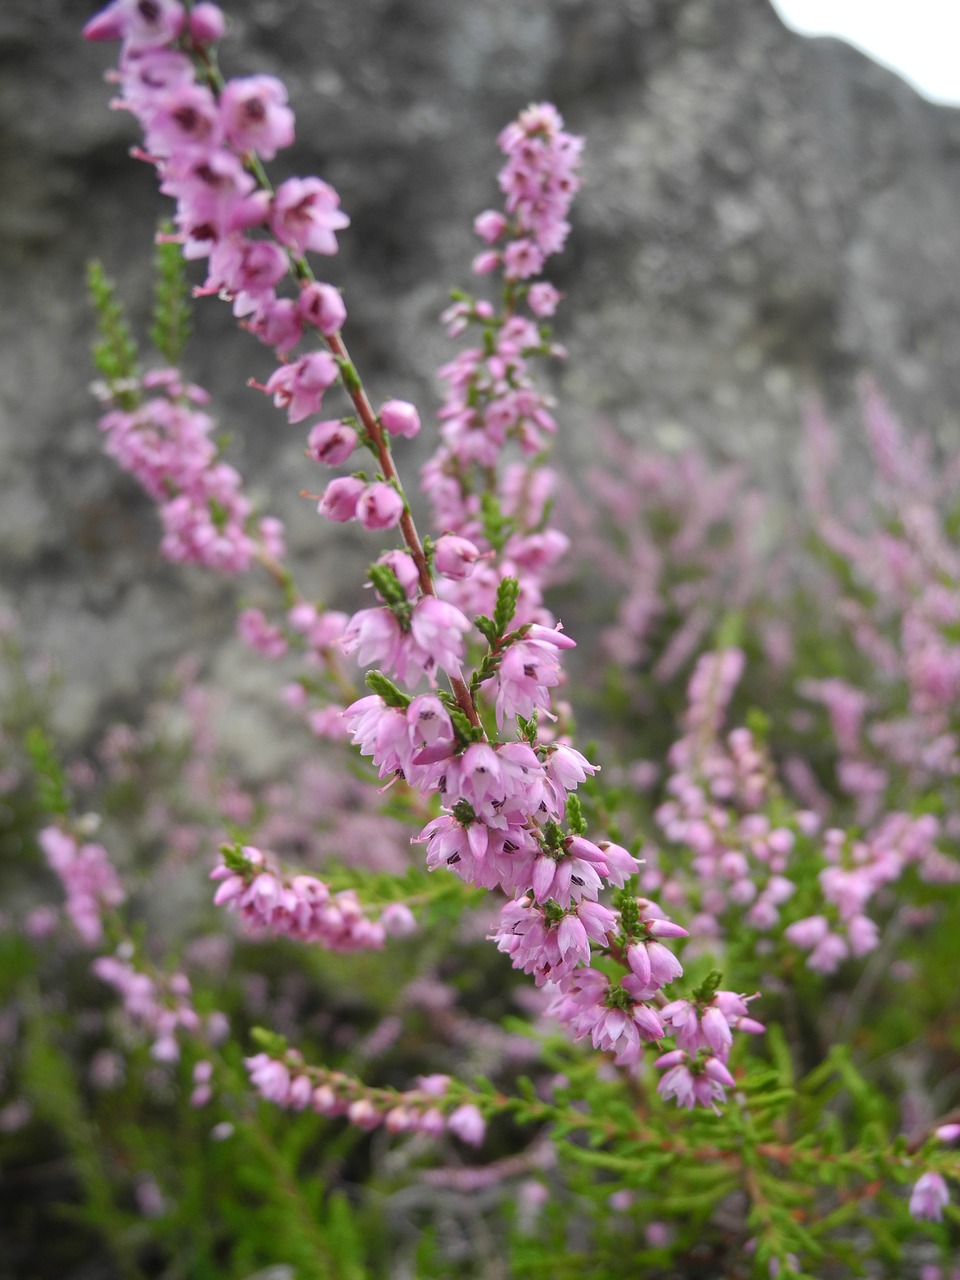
<point>764,217</point>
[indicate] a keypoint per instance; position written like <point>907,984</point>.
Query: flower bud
<point>331,441</point>
<point>207,23</point>
<point>339,501</point>
<point>455,557</point>
<point>322,306</point>
<point>400,418</point>
<point>379,506</point>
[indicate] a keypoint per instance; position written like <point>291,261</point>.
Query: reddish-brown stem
<point>411,537</point>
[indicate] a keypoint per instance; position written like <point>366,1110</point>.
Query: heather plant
<point>457,1001</point>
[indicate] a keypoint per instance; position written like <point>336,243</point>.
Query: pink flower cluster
<point>201,143</point>
<point>900,605</point>
<point>539,181</point>
<point>165,444</point>
<point>302,907</point>
<point>696,1071</point>
<point>286,1081</point>
<point>160,1007</point>
<point>491,399</point>
<point>89,880</point>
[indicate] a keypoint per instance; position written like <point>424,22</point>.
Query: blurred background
<point>764,218</point>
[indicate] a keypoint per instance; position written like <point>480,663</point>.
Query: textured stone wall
<point>764,217</point>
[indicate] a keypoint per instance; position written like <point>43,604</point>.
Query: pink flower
<point>256,632</point>
<point>184,118</point>
<point>543,298</point>
<point>322,306</point>
<point>379,506</point>
<point>374,635</point>
<point>299,387</point>
<point>490,225</point>
<point>331,441</point>
<point>305,214</point>
<point>207,23</point>
<point>255,115</point>
<point>139,25</point>
<point>929,1197</point>
<point>437,627</point>
<point>529,668</point>
<point>455,557</point>
<point>340,499</point>
<point>277,324</point>
<point>400,418</point>
<point>468,1124</point>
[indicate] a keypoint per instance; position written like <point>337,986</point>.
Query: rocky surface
<point>764,218</point>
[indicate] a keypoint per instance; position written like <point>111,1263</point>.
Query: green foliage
<point>171,311</point>
<point>115,354</point>
<point>378,683</point>
<point>51,783</point>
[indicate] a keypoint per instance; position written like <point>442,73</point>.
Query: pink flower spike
<point>400,418</point>
<point>379,506</point>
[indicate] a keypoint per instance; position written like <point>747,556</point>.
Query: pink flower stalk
<point>88,878</point>
<point>300,907</point>
<point>162,1007</point>
<point>165,444</point>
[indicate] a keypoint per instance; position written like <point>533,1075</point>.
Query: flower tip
<point>105,25</point>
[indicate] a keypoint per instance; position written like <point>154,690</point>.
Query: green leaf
<point>388,585</point>
<point>269,1041</point>
<point>387,690</point>
<point>115,354</point>
<point>508,592</point>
